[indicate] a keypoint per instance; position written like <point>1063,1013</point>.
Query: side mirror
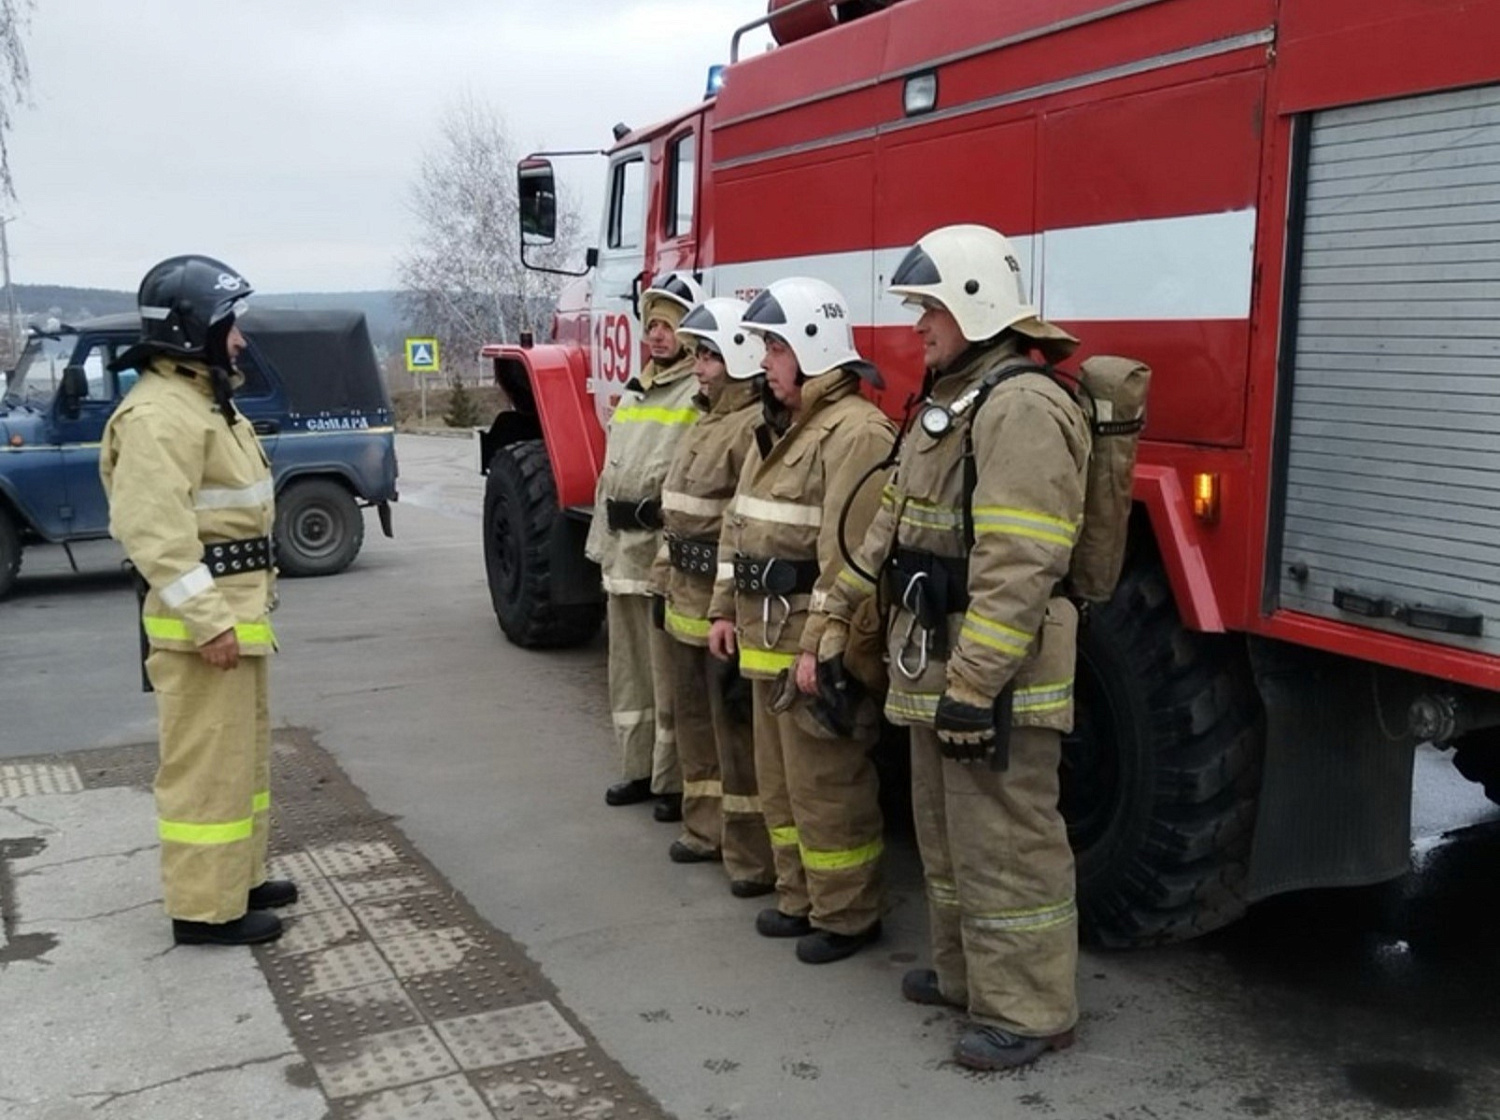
<point>75,388</point>
<point>536,190</point>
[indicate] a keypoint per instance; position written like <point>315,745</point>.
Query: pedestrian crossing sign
<point>421,355</point>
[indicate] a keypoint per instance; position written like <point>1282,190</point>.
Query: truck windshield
<point>35,379</point>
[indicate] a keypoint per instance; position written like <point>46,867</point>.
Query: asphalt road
<point>1375,1003</point>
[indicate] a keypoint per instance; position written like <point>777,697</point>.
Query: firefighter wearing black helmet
<point>191,500</point>
<point>973,540</point>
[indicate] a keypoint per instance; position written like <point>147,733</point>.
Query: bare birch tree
<point>463,281</point>
<point>15,77</point>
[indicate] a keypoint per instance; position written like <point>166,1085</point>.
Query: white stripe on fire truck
<point>1198,266</point>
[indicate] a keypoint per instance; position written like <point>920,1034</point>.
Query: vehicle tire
<point>1477,757</point>
<point>520,513</point>
<point>10,551</point>
<point>1161,773</point>
<point>319,529</point>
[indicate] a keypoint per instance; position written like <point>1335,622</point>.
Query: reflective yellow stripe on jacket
<point>650,414</point>
<point>685,624</point>
<point>765,660</point>
<point>175,630</point>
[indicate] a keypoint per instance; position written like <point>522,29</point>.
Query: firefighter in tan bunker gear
<point>721,816</point>
<point>654,412</point>
<point>778,556</point>
<point>973,538</point>
<point>190,498</point>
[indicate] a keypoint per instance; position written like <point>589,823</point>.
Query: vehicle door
<point>78,427</point>
<point>620,275</point>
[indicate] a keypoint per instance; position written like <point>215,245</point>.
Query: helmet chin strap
<point>216,355</point>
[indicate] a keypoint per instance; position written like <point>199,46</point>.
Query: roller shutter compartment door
<point>1392,475</point>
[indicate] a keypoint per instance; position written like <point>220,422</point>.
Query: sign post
<point>422,360</point>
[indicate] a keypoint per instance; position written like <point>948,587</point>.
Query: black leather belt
<point>633,517</point>
<point>225,558</point>
<point>686,554</point>
<point>774,576</point>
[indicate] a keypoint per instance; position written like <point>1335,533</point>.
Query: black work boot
<point>272,893</point>
<point>990,1048</point>
<point>669,808</point>
<point>684,853</point>
<point>823,946</point>
<point>920,985</point>
<point>772,922</point>
<point>749,888</point>
<point>255,927</point>
<point>631,792</point>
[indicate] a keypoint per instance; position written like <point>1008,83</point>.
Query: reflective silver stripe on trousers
<point>180,590</point>
<point>1024,921</point>
<point>633,717</point>
<point>243,497</point>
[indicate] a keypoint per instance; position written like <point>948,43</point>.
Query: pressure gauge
<point>936,420</point>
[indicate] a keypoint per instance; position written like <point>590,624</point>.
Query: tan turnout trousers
<point>640,694</point>
<point>213,795</point>
<point>999,882</point>
<point>821,799</point>
<point>720,800</point>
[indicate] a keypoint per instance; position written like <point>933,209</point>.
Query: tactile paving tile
<point>354,857</point>
<point>570,1086</point>
<point>486,984</point>
<point>383,886</point>
<point>350,1012</point>
<point>532,1030</point>
<point>434,951</point>
<point>314,893</point>
<point>295,865</point>
<point>402,917</point>
<point>324,929</point>
<point>329,970</point>
<point>28,779</point>
<point>448,1098</point>
<point>382,1061</point>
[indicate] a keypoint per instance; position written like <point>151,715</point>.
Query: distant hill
<point>40,302</point>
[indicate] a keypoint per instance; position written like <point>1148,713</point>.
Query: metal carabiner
<point>766,639</point>
<point>923,646</point>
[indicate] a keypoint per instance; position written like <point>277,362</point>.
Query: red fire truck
<point>1291,210</point>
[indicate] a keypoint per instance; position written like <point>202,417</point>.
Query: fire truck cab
<point>1287,209</point>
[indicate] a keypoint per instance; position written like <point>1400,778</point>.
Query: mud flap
<point>1335,796</point>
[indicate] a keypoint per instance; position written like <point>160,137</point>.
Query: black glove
<point>975,732</point>
<point>837,699</point>
<point>965,732</point>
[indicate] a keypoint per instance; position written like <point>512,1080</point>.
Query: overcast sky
<point>280,135</point>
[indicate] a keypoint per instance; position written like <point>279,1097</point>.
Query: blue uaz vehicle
<point>312,391</point>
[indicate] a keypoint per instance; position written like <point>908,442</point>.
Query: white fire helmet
<point>975,273</point>
<point>812,318</point>
<point>669,297</point>
<point>716,323</point>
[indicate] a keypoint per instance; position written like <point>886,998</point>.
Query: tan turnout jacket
<point>787,506</point>
<point>642,436</point>
<point>1031,442</point>
<point>179,476</point>
<point>697,491</point>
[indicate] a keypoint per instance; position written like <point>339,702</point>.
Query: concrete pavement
<point>493,762</point>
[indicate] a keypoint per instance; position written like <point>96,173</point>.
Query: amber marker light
<point>16,440</point>
<point>1206,497</point>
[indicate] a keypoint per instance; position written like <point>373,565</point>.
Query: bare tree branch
<point>463,280</point>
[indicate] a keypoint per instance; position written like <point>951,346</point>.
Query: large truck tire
<point>1477,757</point>
<point>319,529</point>
<point>10,552</point>
<point>1161,773</point>
<point>520,516</point>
